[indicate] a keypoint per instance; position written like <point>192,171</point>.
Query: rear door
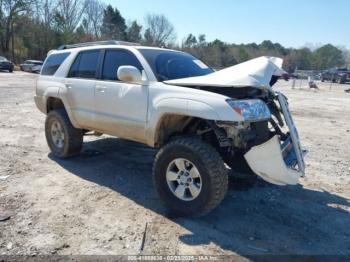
<point>121,107</point>
<point>80,84</point>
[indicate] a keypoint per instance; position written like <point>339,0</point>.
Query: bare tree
<point>47,11</point>
<point>93,17</point>
<point>159,31</point>
<point>69,14</point>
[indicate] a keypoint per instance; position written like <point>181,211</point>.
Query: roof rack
<point>108,42</point>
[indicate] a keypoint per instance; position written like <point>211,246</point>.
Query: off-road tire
<point>210,166</point>
<point>73,140</point>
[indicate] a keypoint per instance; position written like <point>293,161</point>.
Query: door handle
<point>101,89</point>
<point>68,85</point>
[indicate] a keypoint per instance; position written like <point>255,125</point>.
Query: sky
<point>293,23</point>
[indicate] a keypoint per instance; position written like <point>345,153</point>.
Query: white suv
<point>201,120</point>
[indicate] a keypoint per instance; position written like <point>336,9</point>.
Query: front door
<point>121,108</point>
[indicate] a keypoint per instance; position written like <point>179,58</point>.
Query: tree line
<point>30,28</point>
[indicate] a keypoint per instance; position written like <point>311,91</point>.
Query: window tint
<point>53,63</point>
<point>85,65</point>
<point>73,72</point>
<point>116,58</point>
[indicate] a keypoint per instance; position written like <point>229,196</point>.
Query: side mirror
<point>129,74</point>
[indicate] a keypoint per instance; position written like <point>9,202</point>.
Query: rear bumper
<point>275,163</point>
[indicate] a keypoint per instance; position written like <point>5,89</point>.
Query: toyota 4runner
<point>204,122</point>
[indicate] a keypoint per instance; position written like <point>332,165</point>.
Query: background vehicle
<point>166,99</point>
<point>36,69</point>
<point>6,64</point>
<point>32,66</point>
<point>338,75</point>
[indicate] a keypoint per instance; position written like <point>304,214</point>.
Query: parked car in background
<point>37,69</point>
<point>30,65</point>
<point>336,75</point>
<point>6,64</point>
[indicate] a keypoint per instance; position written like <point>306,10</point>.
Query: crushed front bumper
<point>267,161</point>
<point>279,163</point>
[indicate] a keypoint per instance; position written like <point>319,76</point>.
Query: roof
<point>97,43</point>
<point>105,45</point>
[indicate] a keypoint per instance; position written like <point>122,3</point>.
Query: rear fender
<point>58,92</point>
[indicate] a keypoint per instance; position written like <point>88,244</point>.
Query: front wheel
<point>63,139</point>
<point>190,177</point>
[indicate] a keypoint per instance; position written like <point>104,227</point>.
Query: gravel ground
<point>100,202</point>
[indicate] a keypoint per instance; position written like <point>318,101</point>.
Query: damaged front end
<point>271,147</point>
<point>267,140</point>
<point>280,160</point>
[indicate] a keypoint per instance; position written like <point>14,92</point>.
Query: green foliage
<point>113,26</point>
<point>134,32</point>
<point>30,28</point>
<point>328,56</point>
<point>218,54</point>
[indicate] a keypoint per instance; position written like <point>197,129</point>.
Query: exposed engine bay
<point>267,140</point>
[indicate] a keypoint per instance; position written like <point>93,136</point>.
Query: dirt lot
<point>100,202</point>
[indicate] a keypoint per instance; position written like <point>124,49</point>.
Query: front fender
<point>185,107</point>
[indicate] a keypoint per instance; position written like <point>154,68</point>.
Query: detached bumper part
<point>267,161</point>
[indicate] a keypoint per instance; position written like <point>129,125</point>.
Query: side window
<point>73,72</point>
<point>116,58</point>
<point>85,65</point>
<point>52,63</point>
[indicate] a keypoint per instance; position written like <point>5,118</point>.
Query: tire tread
<point>213,163</point>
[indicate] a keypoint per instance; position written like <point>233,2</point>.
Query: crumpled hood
<point>257,72</point>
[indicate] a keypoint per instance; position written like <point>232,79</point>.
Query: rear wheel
<point>190,177</point>
<point>63,139</point>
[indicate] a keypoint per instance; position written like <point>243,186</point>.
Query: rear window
<point>85,65</point>
<point>53,63</point>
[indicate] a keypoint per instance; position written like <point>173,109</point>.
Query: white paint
<point>253,73</point>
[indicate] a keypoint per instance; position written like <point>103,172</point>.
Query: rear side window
<point>116,58</point>
<point>53,63</point>
<point>85,65</point>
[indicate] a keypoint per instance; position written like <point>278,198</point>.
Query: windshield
<point>170,65</point>
<point>2,58</point>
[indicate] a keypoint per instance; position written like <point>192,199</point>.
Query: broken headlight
<point>250,110</point>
